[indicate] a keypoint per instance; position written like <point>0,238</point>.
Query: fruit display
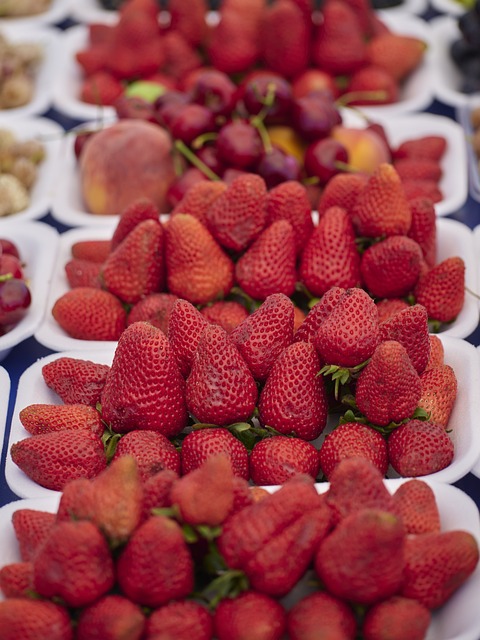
<point>465,50</point>
<point>204,556</point>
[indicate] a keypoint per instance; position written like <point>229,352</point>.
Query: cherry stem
<point>376,96</point>
<point>195,160</point>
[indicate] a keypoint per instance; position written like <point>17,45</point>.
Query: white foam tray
<point>56,13</point>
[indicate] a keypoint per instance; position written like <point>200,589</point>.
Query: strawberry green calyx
<point>341,376</point>
<point>353,415</point>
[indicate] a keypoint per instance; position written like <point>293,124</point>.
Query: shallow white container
<point>57,12</point>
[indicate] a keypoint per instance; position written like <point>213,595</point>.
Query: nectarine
<point>366,149</point>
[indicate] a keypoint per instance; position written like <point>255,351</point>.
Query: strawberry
<point>220,389</point>
<point>285,38</point>
<point>197,267</point>
<point>250,614</point>
<point>232,45</point>
<point>437,564</point>
<point>83,273</point>
<point>361,560</point>
<point>299,316</point>
<point>418,448</point>
<point>321,613</point>
<point>101,88</point>
<point>154,308</point>
<point>91,250</point>
<point>156,491</point>
<point>439,391</point>
<point>410,327</point>
<point>422,189</point>
<point>391,268</point>
<point>93,58</point>
<point>155,566</point>
<point>180,620</point>
<point>188,18</point>
<point>442,289</point>
<point>51,459</point>
<point>43,418</point>
<point>338,46</point>
<point>135,268</point>
<point>396,617</point>
<point>396,53</point>
<point>16,579</point>
<point>389,307</point>
<point>372,85</point>
<point>262,336</point>
<point>205,495</point>
<point>293,400</point>
<point>330,257</point>
<point>341,191</point>
<point>34,620</point>
<point>74,380</point>
<point>74,563</point>
<point>238,216</point>
<point>226,313</point>
<point>262,539</point>
<point>138,211</point>
<point>268,265</point>
<point>355,484</point>
<point>415,502</point>
<point>199,198</point>
<point>185,327</point>
<point>274,460</point>
<point>381,207</point>
<point>77,501</point>
<point>200,444</point>
<point>437,352</point>
<point>85,313</point>
<point>99,33</point>
<point>320,310</point>
<point>144,388</point>
<point>289,201</point>
<point>151,450</point>
<point>353,439</point>
<point>432,147</point>
<point>350,333</point>
<point>31,528</point>
<point>112,617</point>
<point>418,169</point>
<point>423,228</point>
<point>180,56</point>
<point>134,28</point>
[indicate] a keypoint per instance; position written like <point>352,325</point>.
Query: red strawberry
<point>188,18</point>
<point>144,388</point>
<point>42,418</point>
<point>52,459</point>
<point>238,216</point>
<point>93,58</point>
<point>16,580</point>
<point>442,289</point>
<point>34,620</point>
<point>226,313</point>
<point>101,88</point>
<point>185,327</point>
<point>155,566</point>
<point>389,307</point>
<point>250,614</point>
<point>394,616</point>
<point>423,228</point>
<point>381,207</point>
<point>83,273</point>
<point>341,191</point>
<point>220,389</point>
<point>285,38</point>
<point>134,27</point>
<point>353,439</point>
<point>156,491</point>
<point>112,617</point>
<point>274,460</point>
<point>74,380</point>
<point>396,53</point>
<point>410,327</point>
<point>350,333</point>
<point>180,620</point>
<point>77,501</point>
<point>293,400</point>
<point>422,189</point>
<point>199,198</point>
<point>391,268</point>
<point>307,330</point>
<point>388,388</point>
<point>322,613</point>
<point>418,448</point>
<point>137,212</point>
<point>262,336</point>
<point>197,267</point>
<point>372,85</point>
<point>232,45</point>
<point>432,147</point>
<point>415,502</point>
<point>180,56</point>
<point>200,444</point>
<point>92,250</point>
<point>85,313</point>
<point>31,528</point>
<point>154,308</point>
<point>99,33</point>
<point>439,391</point>
<point>74,563</point>
<point>418,169</point>
<point>361,560</point>
<point>289,201</point>
<point>268,265</point>
<point>437,564</point>
<point>437,352</point>
<point>330,257</point>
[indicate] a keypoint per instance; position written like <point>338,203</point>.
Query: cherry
<point>133,108</point>
<point>239,144</point>
<point>15,299</point>
<point>10,264</point>
<point>314,115</point>
<point>182,183</point>
<point>191,121</point>
<point>208,154</point>
<point>268,93</point>
<point>276,166</point>
<point>214,90</point>
<point>322,159</point>
<point>166,106</point>
<point>7,246</point>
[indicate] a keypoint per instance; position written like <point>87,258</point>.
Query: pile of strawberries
<point>206,556</point>
<point>346,39</point>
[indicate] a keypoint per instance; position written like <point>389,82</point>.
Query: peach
<point>366,149</point>
<point>126,161</point>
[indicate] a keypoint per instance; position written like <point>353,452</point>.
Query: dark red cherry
<point>277,166</point>
<point>324,159</point>
<point>239,144</point>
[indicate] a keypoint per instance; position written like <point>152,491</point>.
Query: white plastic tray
<point>476,468</point>
<point>37,243</point>
<point>49,38</point>
<point>5,385</point>
<point>57,12</point>
<point>463,114</point>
